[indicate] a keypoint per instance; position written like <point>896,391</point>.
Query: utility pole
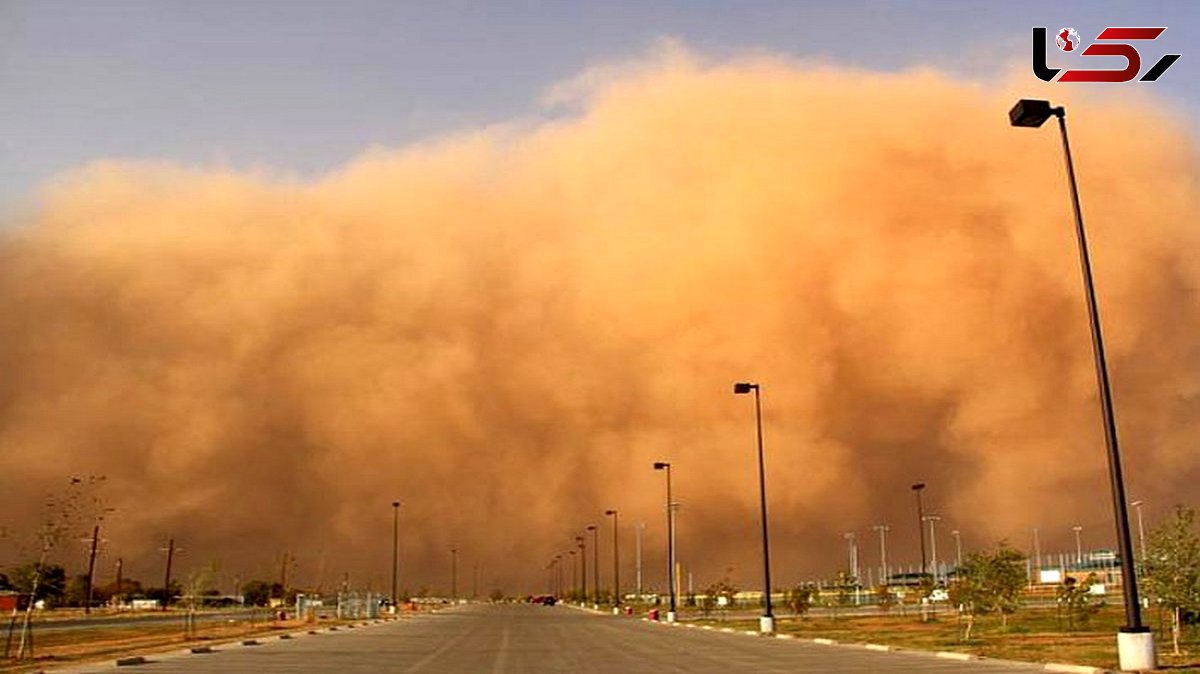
<point>87,602</point>
<point>118,593</point>
<point>167,579</point>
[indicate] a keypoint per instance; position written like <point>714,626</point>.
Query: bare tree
<point>62,514</point>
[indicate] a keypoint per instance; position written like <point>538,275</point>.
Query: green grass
<point>1032,635</point>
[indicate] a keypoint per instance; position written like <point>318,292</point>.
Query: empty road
<point>483,638</point>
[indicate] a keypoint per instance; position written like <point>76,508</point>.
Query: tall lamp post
<point>883,567</point>
<point>663,465</point>
<point>1141,526</point>
<point>933,545</point>
<point>917,489</point>
<point>454,575</point>
<point>1135,641</point>
<point>1078,544</point>
<point>766,624</point>
<point>582,543</point>
<point>616,565</point>
<point>595,565</point>
<point>395,548</point>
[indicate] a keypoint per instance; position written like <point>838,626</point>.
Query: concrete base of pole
<point>670,616</point>
<point>766,624</point>
<point>616,611</point>
<point>1135,650</point>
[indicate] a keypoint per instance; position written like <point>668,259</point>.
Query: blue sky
<point>302,86</point>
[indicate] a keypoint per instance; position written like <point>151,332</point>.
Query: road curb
<point>951,655</point>
<point>877,647</point>
<point>824,642</point>
<point>1074,669</point>
<point>133,660</point>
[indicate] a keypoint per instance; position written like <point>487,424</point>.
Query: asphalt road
<point>482,638</point>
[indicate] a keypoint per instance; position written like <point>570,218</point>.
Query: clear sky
<point>303,85</point>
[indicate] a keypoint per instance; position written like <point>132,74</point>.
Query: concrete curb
<point>133,660</point>
<point>824,642</point>
<point>1074,669</point>
<point>951,655</point>
<point>877,647</point>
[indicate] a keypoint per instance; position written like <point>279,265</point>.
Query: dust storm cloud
<point>505,327</point>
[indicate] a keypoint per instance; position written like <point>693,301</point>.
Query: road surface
<point>520,638</point>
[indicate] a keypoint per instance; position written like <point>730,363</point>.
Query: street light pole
<point>883,566</point>
<point>641,527</point>
<point>766,624</point>
<point>582,542</point>
<point>1135,641</point>
<point>663,465</point>
<point>1078,544</point>
<point>574,573</point>
<point>616,564</point>
<point>595,565</point>
<point>1141,526</point>
<point>957,547</point>
<point>933,545</point>
<point>454,575</point>
<point>395,548</point>
<point>918,488</point>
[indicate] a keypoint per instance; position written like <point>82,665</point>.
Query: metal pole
<point>616,561</point>
<point>454,575</point>
<point>1141,527</point>
<point>768,624</point>
<point>120,568</point>
<point>957,546</point>
<point>882,529</point>
<point>1133,613</point>
<point>582,567</point>
<point>641,526</point>
<point>87,601</point>
<point>595,565</point>
<point>1078,544</point>
<point>933,545</point>
<point>167,579</point>
<point>918,487</point>
<point>670,544</point>
<point>395,546</point>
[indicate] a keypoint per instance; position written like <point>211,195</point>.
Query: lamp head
<point>610,512</point>
<point>918,486</point>
<point>659,465</point>
<point>591,527</point>
<point>1031,112</point>
<point>395,504</point>
<point>744,387</point>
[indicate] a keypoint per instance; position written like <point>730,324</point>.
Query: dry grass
<point>53,648</point>
<point>1032,635</point>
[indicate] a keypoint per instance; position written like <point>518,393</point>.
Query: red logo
<point>1110,42</point>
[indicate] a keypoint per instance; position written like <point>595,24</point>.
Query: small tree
<point>989,582</point>
<point>721,593</point>
<point>257,592</point>
<point>885,598</point>
<point>1171,569</point>
<point>800,598</point>
<point>1075,599</point>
